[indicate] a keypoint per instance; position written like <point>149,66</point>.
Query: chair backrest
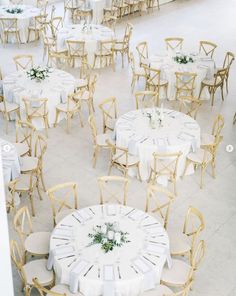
<point>174,43</point>
<point>92,124</point>
<point>218,125</point>
<point>11,195</point>
<point>132,62</point>
<point>85,71</point>
<point>198,254</point>
<point>24,133</point>
<point>142,49</point>
<point>207,48</point>
<point>166,163</point>
<point>35,108</point>
<point>23,61</point>
<point>228,60</point>
<point>128,33</point>
<point>76,48</point>
<point>56,23</point>
<point>109,111</point>
<point>82,14</point>
<point>22,223</point>
<point>113,188</point>
<point>189,105</point>
<point>9,24</point>
<point>153,77</point>
<point>70,4</point>
<point>63,196</point>
<point>158,201</point>
<point>40,21</point>
<point>220,76</point>
<point>184,291</point>
<point>146,99</point>
<point>40,148</point>
<point>44,291</point>
<point>17,257</point>
<point>106,46</point>
<point>73,103</point>
<point>185,82</point>
<point>119,155</point>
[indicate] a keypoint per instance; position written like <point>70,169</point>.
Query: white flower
<point>104,241</point>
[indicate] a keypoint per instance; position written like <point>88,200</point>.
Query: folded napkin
<point>108,277</point>
<point>191,125</point>
<point>148,272</point>
<point>84,214</point>
<point>154,230</point>
<point>61,251</point>
<point>154,248</point>
<point>75,274</point>
<point>185,136</point>
<point>111,210</point>
<point>136,215</point>
<point>63,232</point>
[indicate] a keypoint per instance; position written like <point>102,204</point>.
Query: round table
<point>204,67</point>
<point>91,34</point>
<point>23,18</point>
<point>10,161</point>
<point>127,270</point>
<point>55,88</point>
<point>179,132</point>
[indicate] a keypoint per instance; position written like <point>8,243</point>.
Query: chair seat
<point>85,96</point>
<point>207,139</point>
<point>37,243</point>
<point>63,289</point>
<point>28,163</point>
<point>139,71</point>
<point>62,214</point>
<point>103,53</point>
<point>80,83</point>
<point>120,46</point>
<point>178,274</point>
<point>198,156</point>
<point>24,182</point>
<point>160,290</point>
<point>10,107</point>
<point>153,83</point>
<point>21,148</point>
<point>63,107</point>
<point>211,82</point>
<point>37,269</point>
<point>179,243</point>
<point>132,160</point>
<point>11,30</point>
<point>102,138</point>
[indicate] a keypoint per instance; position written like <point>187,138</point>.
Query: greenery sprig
<point>183,59</point>
<point>38,73</point>
<point>15,10</point>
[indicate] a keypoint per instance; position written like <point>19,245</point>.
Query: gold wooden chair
<point>181,273</point>
<point>113,188</point>
<point>58,290</point>
<point>64,200</point>
<point>122,160</point>
<point>158,203</point>
<point>35,243</point>
<point>122,7</point>
<point>146,99</point>
<point>142,49</point>
<point>108,108</point>
<point>37,109</point>
<point>24,137</point>
<point>109,20</point>
<point>228,61</point>
<point>207,48</point>
<point>48,43</point>
<point>81,15</point>
<point>122,46</point>
<point>23,61</point>
<point>42,4</point>
<point>234,119</point>
<point>7,109</point>
<point>202,158</point>
<point>85,77</point>
<point>209,139</point>
<point>152,4</point>
<point>165,164</point>
<point>105,54</point>
<point>99,140</point>
<point>76,50</point>
<point>56,23</point>
<point>70,108</point>
<point>189,105</point>
<point>174,43</point>
<point>154,81</point>
<point>214,83</point>
<point>71,6</point>
<point>9,28</point>
<point>185,84</point>
<point>36,25</point>
<point>133,6</point>
<point>12,198</point>
<point>33,269</point>
<point>137,71</point>
<point>184,243</point>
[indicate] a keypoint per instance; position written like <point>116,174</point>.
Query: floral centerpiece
<point>39,73</point>
<point>156,117</point>
<point>183,59</point>
<point>108,236</point>
<point>14,10</point>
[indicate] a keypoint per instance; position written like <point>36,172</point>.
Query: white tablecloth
<point>91,34</point>
<point>24,18</point>
<point>10,161</point>
<point>178,133</point>
<point>202,66</point>
<point>55,88</point>
<point>97,7</point>
<point>147,252</point>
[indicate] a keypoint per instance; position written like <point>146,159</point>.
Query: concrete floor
<point>69,157</point>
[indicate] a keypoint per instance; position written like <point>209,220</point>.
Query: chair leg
<point>32,203</point>
<point>80,118</point>
<point>95,155</point>
<point>213,166</point>
<point>42,180</point>
<point>56,119</point>
<point>201,89</point>
<point>222,92</point>
<point>203,170</point>
<point>186,166</point>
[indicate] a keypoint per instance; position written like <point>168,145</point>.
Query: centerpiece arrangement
<point>156,117</point>
<point>183,59</point>
<point>108,236</point>
<point>39,74</point>
<point>14,10</point>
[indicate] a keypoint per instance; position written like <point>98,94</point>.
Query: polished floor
<point>69,157</point>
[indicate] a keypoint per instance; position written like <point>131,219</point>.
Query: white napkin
<point>148,273</point>
<point>63,232</point>
<point>136,215</point>
<point>111,210</point>
<point>61,251</point>
<point>75,273</point>
<point>108,277</point>
<point>84,214</point>
<point>154,230</point>
<point>154,248</point>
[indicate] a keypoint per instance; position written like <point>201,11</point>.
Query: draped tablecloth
<point>91,34</point>
<point>178,133</point>
<point>204,67</point>
<point>127,270</point>
<point>55,88</point>
<point>23,18</point>
<point>10,161</point>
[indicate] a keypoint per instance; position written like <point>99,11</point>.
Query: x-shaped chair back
<point>185,82</point>
<point>174,43</point>
<point>220,77</point>
<point>76,48</point>
<point>106,47</point>
<point>189,105</point>
<point>56,23</point>
<point>142,49</point>
<point>207,48</point>
<point>24,133</point>
<point>23,62</point>
<point>35,108</point>
<point>92,124</point>
<point>146,99</point>
<point>18,258</point>
<point>109,111</point>
<point>218,125</point>
<point>22,223</point>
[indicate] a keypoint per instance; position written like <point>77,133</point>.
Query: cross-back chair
<point>105,54</point>
<point>146,99</point>
<point>185,84</point>
<point>137,71</point>
<point>9,28</point>
<point>108,108</point>
<point>76,50</point>
<point>209,139</point>
<point>81,15</point>
<point>142,49</point>
<point>189,105</point>
<point>174,43</point>
<point>12,198</point>
<point>23,61</point>
<point>56,23</point>
<point>37,24</point>
<point>207,48</point>
<point>24,137</point>
<point>228,61</point>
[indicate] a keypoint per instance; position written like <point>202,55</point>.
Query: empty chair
<point>185,84</point>
<point>64,200</point>
<point>228,61</point>
<point>56,23</point>
<point>35,243</point>
<point>12,198</point>
<point>174,43</point>
<point>105,54</point>
<point>76,51</point>
<point>122,6</point>
<point>82,15</point>
<point>209,139</point>
<point>113,189</point>
<point>189,105</point>
<point>158,203</point>
<point>36,25</point>
<point>23,61</point>
<point>10,28</point>
<point>108,108</point>
<point>146,99</point>
<point>137,71</point>
<point>71,6</point>
<point>207,48</point>
<point>142,49</point>
<point>7,109</point>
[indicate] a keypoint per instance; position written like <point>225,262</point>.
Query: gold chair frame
<point>174,43</point>
<point>108,108</point>
<point>146,99</point>
<point>189,105</point>
<point>207,47</point>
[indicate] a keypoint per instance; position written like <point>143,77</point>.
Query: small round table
<point>178,133</point>
<point>127,270</point>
